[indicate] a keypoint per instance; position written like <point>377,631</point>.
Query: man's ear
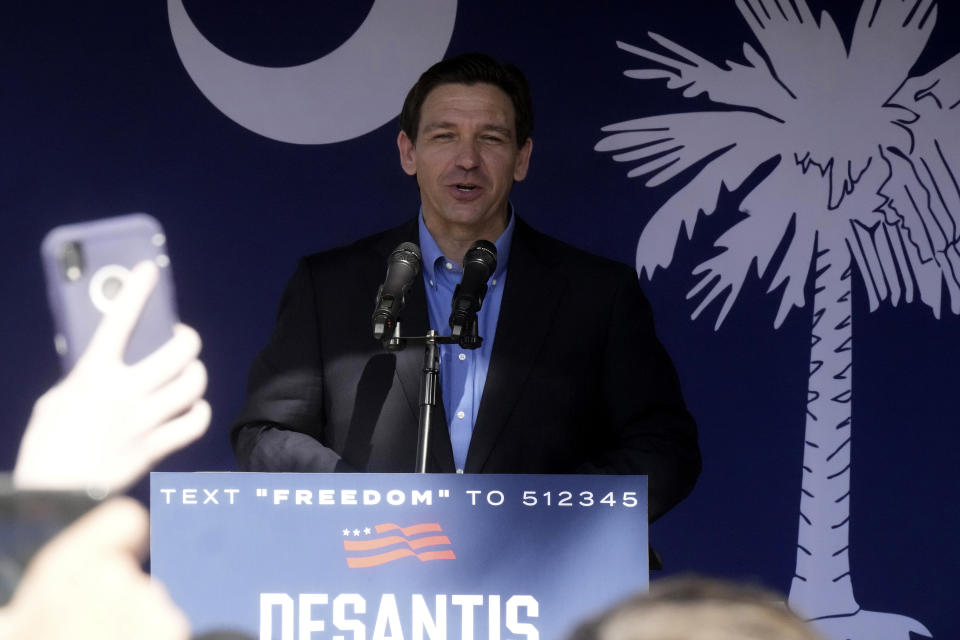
<point>408,154</point>
<point>522,164</point>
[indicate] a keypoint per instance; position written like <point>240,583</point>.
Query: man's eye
<point>443,136</point>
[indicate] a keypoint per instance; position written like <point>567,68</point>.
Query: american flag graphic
<point>391,542</point>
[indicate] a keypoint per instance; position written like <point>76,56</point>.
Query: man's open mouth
<point>466,187</point>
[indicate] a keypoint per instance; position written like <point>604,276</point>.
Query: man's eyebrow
<point>506,131</point>
<point>433,126</point>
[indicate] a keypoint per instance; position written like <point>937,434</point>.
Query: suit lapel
<point>532,291</point>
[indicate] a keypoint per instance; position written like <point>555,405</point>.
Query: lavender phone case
<point>108,248</point>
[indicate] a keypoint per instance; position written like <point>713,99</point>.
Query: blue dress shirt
<point>463,372</point>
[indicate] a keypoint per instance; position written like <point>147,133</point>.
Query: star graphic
<point>356,532</point>
<point>346,532</point>
<point>366,531</point>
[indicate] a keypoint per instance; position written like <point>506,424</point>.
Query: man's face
<point>465,159</point>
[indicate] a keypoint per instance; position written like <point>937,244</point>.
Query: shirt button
<point>432,283</point>
<point>460,414</point>
<point>462,356</point>
<point>449,265</point>
<point>459,470</point>
<point>493,282</point>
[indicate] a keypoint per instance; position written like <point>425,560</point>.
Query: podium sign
<point>291,556</point>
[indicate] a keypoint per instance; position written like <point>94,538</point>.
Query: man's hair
<point>469,69</point>
<point>694,608</point>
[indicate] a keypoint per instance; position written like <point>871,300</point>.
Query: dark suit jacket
<point>578,382</point>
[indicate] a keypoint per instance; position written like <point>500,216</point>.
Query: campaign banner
<point>284,556</point>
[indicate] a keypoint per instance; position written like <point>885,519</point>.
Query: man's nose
<point>468,155</point>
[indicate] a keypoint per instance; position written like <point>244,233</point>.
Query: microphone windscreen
<point>481,252</point>
<point>410,253</point>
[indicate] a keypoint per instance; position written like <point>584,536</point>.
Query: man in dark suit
<point>570,377</point>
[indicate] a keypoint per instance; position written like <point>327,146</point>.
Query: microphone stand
<point>429,375</point>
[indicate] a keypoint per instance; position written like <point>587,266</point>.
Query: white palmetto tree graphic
<point>866,174</point>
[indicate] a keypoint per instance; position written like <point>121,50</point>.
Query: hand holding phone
<point>108,422</point>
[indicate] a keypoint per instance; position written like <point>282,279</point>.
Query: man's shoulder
<point>563,256</point>
<point>370,249</point>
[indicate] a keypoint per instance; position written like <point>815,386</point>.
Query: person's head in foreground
<point>692,608</point>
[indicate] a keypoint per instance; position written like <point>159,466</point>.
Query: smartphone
<point>28,520</point>
<point>85,265</point>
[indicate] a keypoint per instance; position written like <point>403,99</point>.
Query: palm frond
<point>725,273</point>
<point>664,146</point>
<point>781,200</point>
<point>799,46</point>
<point>935,91</point>
<point>890,35</point>
<point>669,144</point>
<point>744,85</point>
<point>882,256</point>
<point>681,211</point>
<point>922,200</point>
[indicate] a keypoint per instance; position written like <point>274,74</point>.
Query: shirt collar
<point>431,251</point>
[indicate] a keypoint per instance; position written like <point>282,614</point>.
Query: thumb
<point>110,338</point>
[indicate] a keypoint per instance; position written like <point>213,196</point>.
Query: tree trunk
<point>821,585</point>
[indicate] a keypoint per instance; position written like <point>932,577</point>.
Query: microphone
<point>479,263</point>
<point>403,266</point>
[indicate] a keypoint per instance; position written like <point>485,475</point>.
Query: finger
<point>169,360</point>
<point>178,433</point>
<point>176,396</point>
<point>118,525</point>
<point>159,442</point>
<point>148,448</point>
<point>110,338</point>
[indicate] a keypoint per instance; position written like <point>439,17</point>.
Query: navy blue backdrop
<point>99,117</point>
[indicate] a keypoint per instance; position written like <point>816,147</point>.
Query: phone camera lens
<point>71,261</point>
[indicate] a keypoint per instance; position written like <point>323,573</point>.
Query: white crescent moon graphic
<point>345,94</point>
